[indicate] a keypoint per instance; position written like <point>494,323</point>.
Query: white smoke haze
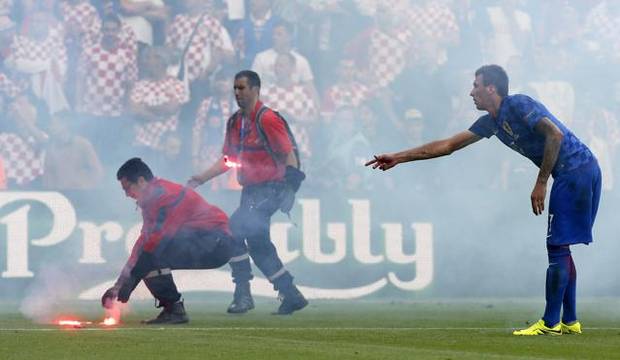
<point>49,296</point>
<point>485,240</point>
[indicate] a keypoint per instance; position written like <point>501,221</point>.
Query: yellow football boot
<point>539,328</point>
<point>574,328</point>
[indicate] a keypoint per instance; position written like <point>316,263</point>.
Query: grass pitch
<point>476,329</point>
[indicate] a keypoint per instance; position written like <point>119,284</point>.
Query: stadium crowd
<point>87,84</point>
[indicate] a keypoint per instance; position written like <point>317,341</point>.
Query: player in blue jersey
<point>526,126</point>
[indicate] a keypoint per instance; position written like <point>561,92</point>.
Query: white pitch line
<point>274,328</point>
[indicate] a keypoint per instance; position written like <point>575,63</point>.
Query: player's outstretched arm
<point>218,168</point>
<point>427,151</point>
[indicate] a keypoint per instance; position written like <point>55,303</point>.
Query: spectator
<point>108,70</point>
<point>11,84</point>
<point>202,45</point>
<point>282,43</point>
<point>256,31</point>
<point>209,128</point>
<point>22,143</point>
<point>294,101</point>
<point>82,26</point>
<point>322,27</point>
<point>348,91</point>
<point>383,48</point>
<point>70,161</point>
<point>128,38</point>
<point>155,102</point>
<point>141,16</point>
<point>433,22</point>
<point>264,63</point>
<point>38,52</point>
<point>81,21</point>
<point>210,44</point>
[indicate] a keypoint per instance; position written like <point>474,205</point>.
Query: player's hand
<point>538,197</point>
<point>108,297</point>
<point>383,161</point>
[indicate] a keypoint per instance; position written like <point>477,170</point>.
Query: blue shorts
<point>573,204</point>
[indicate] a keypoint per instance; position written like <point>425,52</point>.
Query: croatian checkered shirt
<point>22,161</point>
<point>345,95</point>
<point>128,40</point>
<point>151,93</point>
<point>208,34</point>
<point>435,21</point>
<point>84,15</point>
<point>294,100</point>
<point>107,76</point>
<point>10,87</point>
<point>387,55</point>
<point>51,48</point>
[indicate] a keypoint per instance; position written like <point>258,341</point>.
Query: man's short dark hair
<point>253,78</point>
<point>496,76</point>
<point>132,169</point>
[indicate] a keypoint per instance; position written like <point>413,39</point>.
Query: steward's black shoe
<point>171,314</point>
<point>292,301</point>
<point>242,299</point>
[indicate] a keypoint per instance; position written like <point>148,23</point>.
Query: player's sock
<point>557,281</point>
<point>569,314</point>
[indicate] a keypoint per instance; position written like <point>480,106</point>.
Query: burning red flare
<point>109,321</point>
<point>231,164</point>
<point>73,323</point>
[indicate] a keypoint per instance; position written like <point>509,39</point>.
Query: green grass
<point>476,329</point>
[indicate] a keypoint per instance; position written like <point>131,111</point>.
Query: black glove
<point>287,199</point>
<point>292,180</point>
<point>108,297</point>
<point>293,177</point>
<point>127,288</point>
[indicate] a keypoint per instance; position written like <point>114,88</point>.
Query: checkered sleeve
<point>214,33</point>
<point>180,92</point>
<point>201,115</point>
<point>132,70</point>
<point>23,161</point>
<point>84,15</point>
<point>129,40</point>
<point>441,22</point>
<point>173,34</point>
<point>296,100</point>
<point>153,93</point>
<point>8,87</point>
<point>138,92</point>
